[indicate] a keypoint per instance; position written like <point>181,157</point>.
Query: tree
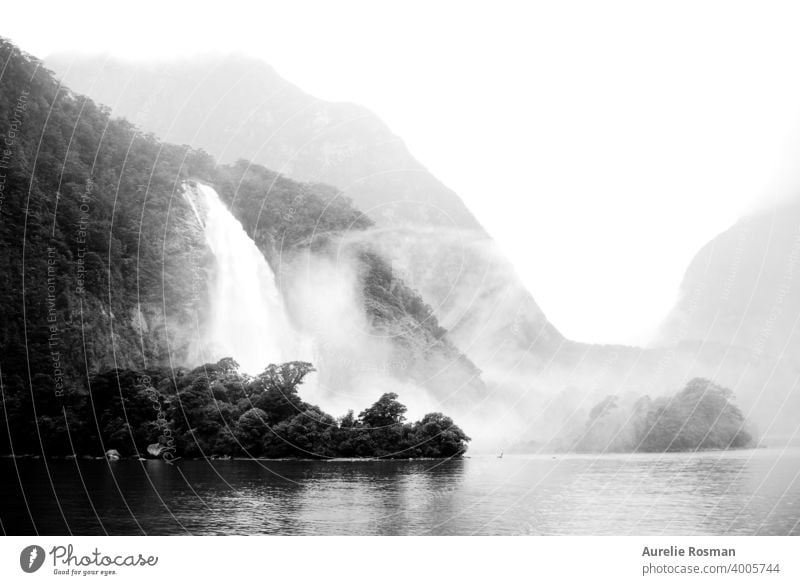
<point>701,416</point>
<point>385,412</point>
<point>436,435</point>
<point>283,377</point>
<point>250,431</point>
<point>607,404</point>
<point>308,434</point>
<point>275,390</point>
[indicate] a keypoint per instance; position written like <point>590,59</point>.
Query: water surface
<point>736,492</point>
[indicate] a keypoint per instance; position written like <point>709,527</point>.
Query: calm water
<point>743,492</point>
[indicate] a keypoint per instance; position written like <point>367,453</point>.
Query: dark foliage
<point>281,214</point>
<point>390,300</point>
<point>215,411</point>
<point>85,203</point>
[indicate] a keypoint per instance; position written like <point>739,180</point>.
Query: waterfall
<point>246,318</point>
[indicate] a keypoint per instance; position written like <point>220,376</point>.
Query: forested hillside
<point>87,202</point>
<point>103,264</point>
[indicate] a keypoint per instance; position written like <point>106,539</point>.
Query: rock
<point>155,449</point>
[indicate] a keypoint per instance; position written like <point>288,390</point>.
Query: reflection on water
<point>741,492</point>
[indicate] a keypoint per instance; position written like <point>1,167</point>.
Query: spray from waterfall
<point>246,318</point>
<point>318,317</point>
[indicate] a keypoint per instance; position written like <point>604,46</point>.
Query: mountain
<point>238,107</point>
<point>104,264</point>
<point>739,313</point>
<point>743,287</point>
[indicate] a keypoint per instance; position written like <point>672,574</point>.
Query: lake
<point>735,492</point>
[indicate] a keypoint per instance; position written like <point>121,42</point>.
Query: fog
<point>312,311</point>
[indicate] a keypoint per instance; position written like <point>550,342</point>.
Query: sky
<point>601,144</point>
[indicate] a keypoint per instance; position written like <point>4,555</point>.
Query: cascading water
<point>243,316</point>
<point>246,318</point>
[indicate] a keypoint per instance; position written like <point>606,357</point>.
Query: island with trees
<point>700,417</point>
<point>216,411</point>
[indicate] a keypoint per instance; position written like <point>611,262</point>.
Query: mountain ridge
<point>130,89</point>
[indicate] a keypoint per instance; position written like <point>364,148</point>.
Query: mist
<point>312,310</point>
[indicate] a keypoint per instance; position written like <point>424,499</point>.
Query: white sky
<point>601,143</point>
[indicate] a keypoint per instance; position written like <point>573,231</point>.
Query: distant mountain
<point>739,313</point>
<point>236,107</point>
<point>743,287</point>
